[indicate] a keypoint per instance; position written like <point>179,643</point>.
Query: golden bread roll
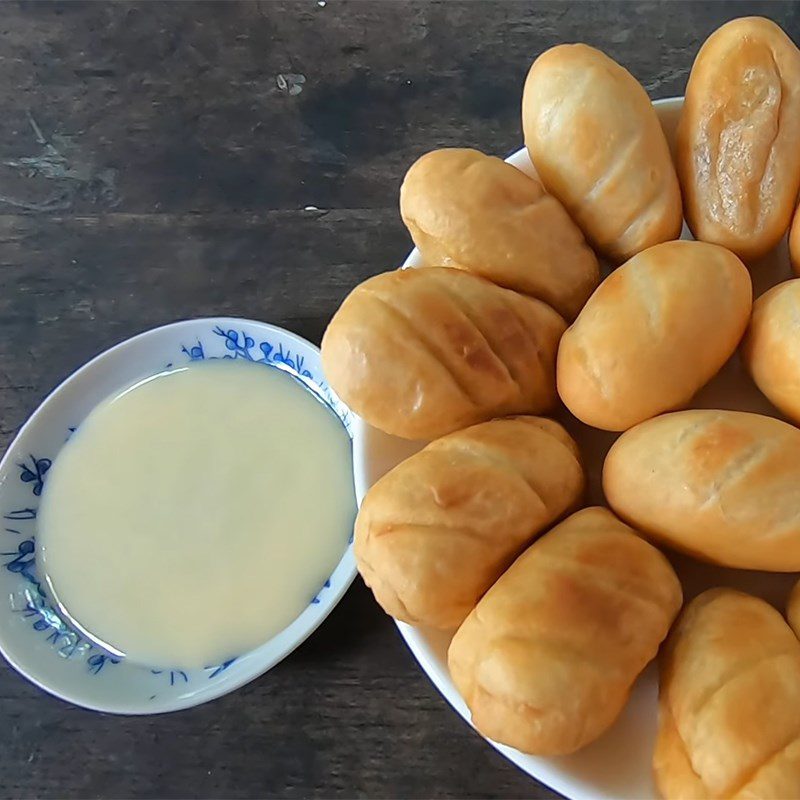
<point>793,609</point>
<point>719,485</point>
<point>794,242</point>
<point>547,659</point>
<point>438,530</point>
<point>771,348</point>
<point>737,144</point>
<point>598,146</point>
<point>471,211</point>
<point>653,333</point>
<point>729,703</point>
<point>422,352</point>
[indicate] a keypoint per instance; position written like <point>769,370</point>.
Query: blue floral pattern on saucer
<point>33,636</point>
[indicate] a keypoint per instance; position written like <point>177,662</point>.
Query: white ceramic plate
<point>34,639</point>
<point>618,764</point>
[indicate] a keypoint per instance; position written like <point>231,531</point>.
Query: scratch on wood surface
<point>62,164</point>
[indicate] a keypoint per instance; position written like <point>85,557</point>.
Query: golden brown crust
<point>737,153</point>
<point>633,351</point>
<point>435,532</point>
<point>547,659</point>
<point>598,147</point>
<point>719,485</point>
<point>675,778</point>
<point>730,702</point>
<point>422,352</point>
<point>471,211</point>
<point>771,349</point>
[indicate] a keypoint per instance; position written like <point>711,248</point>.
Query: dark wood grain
<point>152,168</point>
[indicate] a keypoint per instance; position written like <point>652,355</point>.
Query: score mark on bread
<point>422,352</point>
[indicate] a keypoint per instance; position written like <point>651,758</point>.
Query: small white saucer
<point>34,639</point>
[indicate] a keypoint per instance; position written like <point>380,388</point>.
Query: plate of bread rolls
<point>576,455</point>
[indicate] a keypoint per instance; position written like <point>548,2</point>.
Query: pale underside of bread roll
<point>719,485</point>
<point>737,153</point>
<point>471,211</point>
<point>729,722</point>
<point>653,333</point>
<point>422,352</point>
<point>435,532</point>
<point>598,146</point>
<point>547,659</point>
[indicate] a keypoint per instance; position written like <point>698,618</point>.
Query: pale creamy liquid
<point>197,514</point>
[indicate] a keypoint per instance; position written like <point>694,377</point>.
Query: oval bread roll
<point>719,485</point>
<point>794,243</point>
<point>467,210</point>
<point>547,659</point>
<point>737,144</point>
<point>771,349</point>
<point>438,530</point>
<point>729,704</point>
<point>422,352</point>
<point>653,333</point>
<point>597,145</point>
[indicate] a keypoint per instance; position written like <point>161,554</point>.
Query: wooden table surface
<point>168,160</point>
